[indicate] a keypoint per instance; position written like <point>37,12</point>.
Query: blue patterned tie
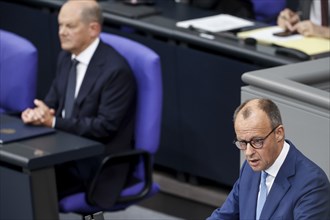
<point>263,194</point>
<point>70,90</point>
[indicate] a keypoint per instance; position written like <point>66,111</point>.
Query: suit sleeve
<point>230,208</point>
<point>54,94</point>
<point>315,200</point>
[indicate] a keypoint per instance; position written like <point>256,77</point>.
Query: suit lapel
<point>92,74</point>
<point>280,186</point>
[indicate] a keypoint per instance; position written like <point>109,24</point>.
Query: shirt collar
<point>273,170</point>
<point>85,56</point>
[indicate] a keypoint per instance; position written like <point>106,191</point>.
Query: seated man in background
<point>102,105</point>
<point>312,20</point>
<point>276,181</point>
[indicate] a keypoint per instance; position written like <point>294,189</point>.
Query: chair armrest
<point>131,157</point>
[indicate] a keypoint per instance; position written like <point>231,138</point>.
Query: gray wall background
<point>301,91</point>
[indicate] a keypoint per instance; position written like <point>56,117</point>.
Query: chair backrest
<point>146,68</point>
<point>18,72</point>
<point>145,65</point>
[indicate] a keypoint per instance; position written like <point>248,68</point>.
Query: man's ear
<point>95,29</point>
<point>279,133</point>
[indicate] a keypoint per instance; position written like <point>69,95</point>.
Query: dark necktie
<point>324,12</point>
<point>70,89</point>
<point>263,194</point>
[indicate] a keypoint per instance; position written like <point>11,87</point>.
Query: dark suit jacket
<point>305,8</point>
<point>300,191</point>
<point>104,108</point>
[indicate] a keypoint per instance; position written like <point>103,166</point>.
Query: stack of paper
<point>216,23</point>
<point>309,45</point>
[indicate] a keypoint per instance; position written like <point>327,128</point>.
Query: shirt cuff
<point>54,122</point>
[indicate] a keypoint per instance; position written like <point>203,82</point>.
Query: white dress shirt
<point>273,170</point>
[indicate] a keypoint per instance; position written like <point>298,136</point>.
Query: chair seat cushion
<point>78,203</point>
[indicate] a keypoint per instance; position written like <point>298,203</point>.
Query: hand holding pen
<point>288,19</point>
<point>291,22</point>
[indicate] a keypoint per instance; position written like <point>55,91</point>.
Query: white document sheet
<point>266,35</point>
<point>216,23</point>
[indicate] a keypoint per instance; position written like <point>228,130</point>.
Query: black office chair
<point>147,71</point>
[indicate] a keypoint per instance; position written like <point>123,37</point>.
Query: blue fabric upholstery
<point>268,10</point>
<point>77,203</point>
<point>18,72</point>
<point>146,68</point>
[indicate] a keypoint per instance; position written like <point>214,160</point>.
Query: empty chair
<point>146,68</point>
<point>18,72</point>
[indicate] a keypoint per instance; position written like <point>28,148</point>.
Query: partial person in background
<point>312,19</point>
<point>239,8</point>
<point>100,104</point>
<point>276,181</point>
<point>265,11</point>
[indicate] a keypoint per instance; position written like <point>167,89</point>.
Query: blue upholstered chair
<point>18,72</point>
<point>147,71</point>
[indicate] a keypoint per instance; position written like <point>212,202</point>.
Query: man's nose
<point>249,149</point>
<point>61,30</point>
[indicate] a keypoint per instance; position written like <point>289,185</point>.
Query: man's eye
<point>257,141</point>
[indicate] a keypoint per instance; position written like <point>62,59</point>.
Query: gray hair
<point>91,13</point>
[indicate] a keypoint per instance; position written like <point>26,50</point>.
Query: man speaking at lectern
<point>276,181</point>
